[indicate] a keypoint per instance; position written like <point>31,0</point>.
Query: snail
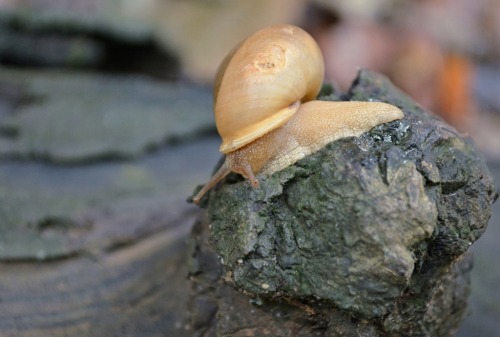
<point>265,110</point>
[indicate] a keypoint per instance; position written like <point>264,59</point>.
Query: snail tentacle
<point>247,172</point>
<point>223,171</point>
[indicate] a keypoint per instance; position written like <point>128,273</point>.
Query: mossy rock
<point>368,225</point>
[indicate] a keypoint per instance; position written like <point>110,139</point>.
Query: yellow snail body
<point>264,110</point>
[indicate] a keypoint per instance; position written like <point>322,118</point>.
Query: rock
<point>217,309</point>
<point>374,227</point>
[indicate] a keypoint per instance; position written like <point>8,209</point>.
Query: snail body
<point>264,107</point>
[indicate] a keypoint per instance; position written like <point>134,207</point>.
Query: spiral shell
<point>262,82</point>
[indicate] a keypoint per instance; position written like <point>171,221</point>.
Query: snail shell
<point>261,83</point>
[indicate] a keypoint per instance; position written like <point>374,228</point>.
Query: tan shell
<point>262,82</point>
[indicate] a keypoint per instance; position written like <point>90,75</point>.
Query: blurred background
<point>107,102</point>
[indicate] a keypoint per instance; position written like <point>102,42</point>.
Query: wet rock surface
<point>375,226</point>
